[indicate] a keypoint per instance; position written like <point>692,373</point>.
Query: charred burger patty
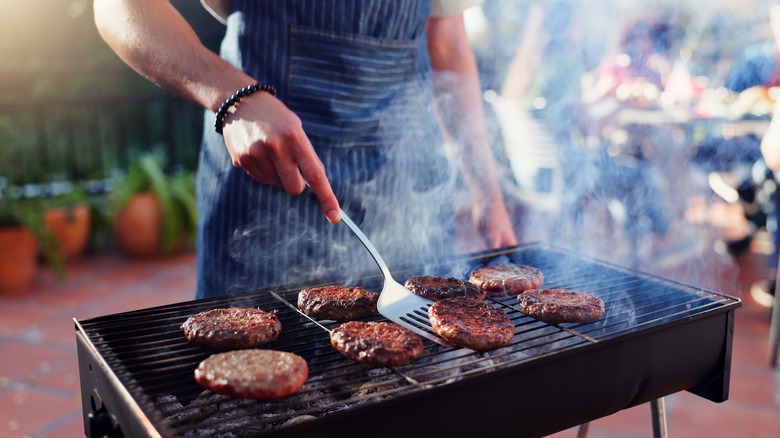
<point>506,280</point>
<point>438,288</point>
<point>376,343</point>
<point>560,305</point>
<point>253,374</point>
<point>470,323</point>
<point>339,303</point>
<point>234,327</point>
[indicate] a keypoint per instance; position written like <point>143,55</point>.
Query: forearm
<point>459,105</point>
<point>156,41</point>
<point>528,56</point>
<point>770,144</point>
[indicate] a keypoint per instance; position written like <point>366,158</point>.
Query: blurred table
<point>686,118</point>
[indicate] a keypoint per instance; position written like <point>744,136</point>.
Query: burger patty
<point>234,327</point>
<point>506,280</point>
<point>560,305</point>
<point>470,323</point>
<point>339,303</point>
<point>376,343</point>
<point>255,374</point>
<point>438,288</point>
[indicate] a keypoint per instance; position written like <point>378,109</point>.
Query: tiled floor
<point>39,387</point>
<point>39,382</point>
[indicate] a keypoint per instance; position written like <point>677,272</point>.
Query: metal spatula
<point>396,302</point>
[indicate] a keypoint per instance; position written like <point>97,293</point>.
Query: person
<point>756,70</point>
<point>537,104</point>
<point>349,100</point>
<point>634,77</point>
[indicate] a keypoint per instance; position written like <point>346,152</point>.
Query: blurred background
<point>628,130</point>
<point>70,109</point>
<point>597,111</point>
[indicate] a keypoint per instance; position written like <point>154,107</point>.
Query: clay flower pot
<point>18,258</point>
<point>154,213</point>
<point>71,226</point>
<point>138,226</point>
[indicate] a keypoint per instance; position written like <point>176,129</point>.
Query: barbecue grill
<point>656,338</point>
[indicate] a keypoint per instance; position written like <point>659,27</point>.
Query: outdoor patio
<point>39,381</point>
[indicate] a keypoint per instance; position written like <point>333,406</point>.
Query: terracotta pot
<point>71,226</point>
<point>18,258</point>
<point>138,226</point>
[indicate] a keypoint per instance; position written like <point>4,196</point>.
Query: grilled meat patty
<point>254,374</point>
<point>471,323</point>
<point>339,303</point>
<point>506,280</point>
<point>438,288</point>
<point>376,343</point>
<point>560,305</point>
<point>234,327</point>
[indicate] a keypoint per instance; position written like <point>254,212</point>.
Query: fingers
<point>321,187</point>
<point>308,169</point>
<point>504,239</point>
<point>291,166</point>
<point>255,171</point>
<point>271,146</point>
<point>495,226</point>
<point>294,178</point>
<point>268,169</point>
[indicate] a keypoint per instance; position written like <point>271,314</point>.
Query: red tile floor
<point>39,384</point>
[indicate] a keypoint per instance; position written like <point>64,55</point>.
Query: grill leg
<point>658,411</point>
<point>582,432</point>
<point>774,326</point>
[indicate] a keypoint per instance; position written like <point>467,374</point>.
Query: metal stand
<point>657,411</point>
<point>774,327</point>
<point>582,432</point>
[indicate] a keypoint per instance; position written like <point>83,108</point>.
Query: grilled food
<point>471,323</point>
<point>234,327</point>
<point>561,305</point>
<point>253,374</point>
<point>376,343</point>
<point>438,288</point>
<point>506,280</point>
<point>339,303</point>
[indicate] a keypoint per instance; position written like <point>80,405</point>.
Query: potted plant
<point>154,213</point>
<point>23,236</point>
<point>69,217</point>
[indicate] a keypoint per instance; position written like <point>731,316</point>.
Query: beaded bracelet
<point>219,120</point>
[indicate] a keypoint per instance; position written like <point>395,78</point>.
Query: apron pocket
<point>353,91</point>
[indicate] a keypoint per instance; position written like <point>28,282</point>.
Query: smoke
<point>580,168</point>
<point>608,166</point>
<point>401,197</point>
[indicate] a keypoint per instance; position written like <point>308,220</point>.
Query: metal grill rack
<point>657,337</point>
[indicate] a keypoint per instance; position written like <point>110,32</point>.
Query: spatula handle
<point>364,240</point>
<point>367,243</point>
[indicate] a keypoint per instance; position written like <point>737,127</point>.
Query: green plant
<point>176,194</point>
<point>69,197</point>
<point>17,211</point>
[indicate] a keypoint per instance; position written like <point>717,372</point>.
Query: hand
<point>266,140</point>
<point>494,224</point>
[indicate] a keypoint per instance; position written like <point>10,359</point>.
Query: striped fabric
<point>357,73</point>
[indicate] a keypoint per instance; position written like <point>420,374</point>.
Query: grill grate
<point>154,362</point>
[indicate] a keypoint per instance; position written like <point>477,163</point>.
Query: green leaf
<point>183,191</point>
<point>28,213</point>
<point>152,167</point>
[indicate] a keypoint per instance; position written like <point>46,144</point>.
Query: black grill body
<point>656,338</point>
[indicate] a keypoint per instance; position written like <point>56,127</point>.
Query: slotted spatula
<point>396,302</point>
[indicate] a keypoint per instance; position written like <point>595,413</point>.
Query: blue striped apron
<point>357,73</point>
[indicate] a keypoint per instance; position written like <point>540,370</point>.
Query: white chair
<point>532,154</point>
